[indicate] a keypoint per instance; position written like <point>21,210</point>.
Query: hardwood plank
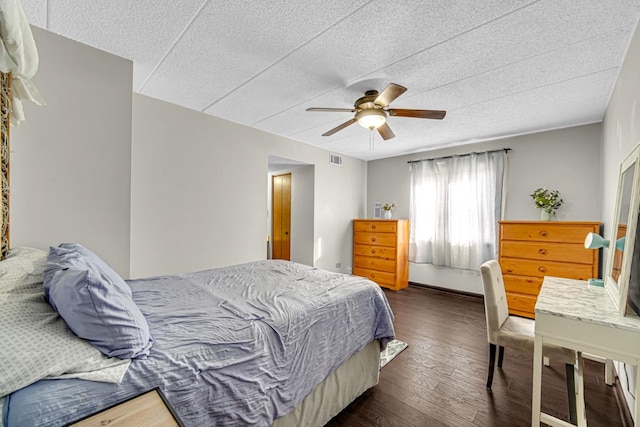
<point>440,379</point>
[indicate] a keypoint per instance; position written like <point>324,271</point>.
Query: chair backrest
<point>495,298</point>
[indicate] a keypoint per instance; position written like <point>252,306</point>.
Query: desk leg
<point>636,416</point>
<point>581,412</point>
<point>537,381</point>
<point>608,372</point>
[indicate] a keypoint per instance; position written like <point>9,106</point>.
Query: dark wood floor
<point>440,379</point>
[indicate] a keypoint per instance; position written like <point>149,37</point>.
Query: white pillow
<point>36,342</point>
<point>22,268</point>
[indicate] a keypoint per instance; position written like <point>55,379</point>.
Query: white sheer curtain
<point>456,203</point>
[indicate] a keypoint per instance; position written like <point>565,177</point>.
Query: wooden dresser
<point>380,251</point>
<point>530,250</point>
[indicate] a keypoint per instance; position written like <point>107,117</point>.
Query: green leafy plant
<point>548,200</point>
<point>389,206</point>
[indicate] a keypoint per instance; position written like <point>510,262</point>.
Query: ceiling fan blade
<point>336,110</point>
<point>385,132</point>
<point>419,114</point>
<point>339,128</point>
<point>390,93</point>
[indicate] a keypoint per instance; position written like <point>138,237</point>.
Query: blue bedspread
<point>239,345</point>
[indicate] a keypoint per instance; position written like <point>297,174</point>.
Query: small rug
<point>393,349</point>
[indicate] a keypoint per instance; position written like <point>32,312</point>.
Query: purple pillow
<point>95,302</point>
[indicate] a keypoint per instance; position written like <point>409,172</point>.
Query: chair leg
<point>492,362</point>
<point>500,356</point>
<point>571,392</point>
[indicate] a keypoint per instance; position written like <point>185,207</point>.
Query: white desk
<point>572,315</point>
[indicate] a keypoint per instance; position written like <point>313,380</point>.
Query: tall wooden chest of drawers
<point>380,251</point>
<point>530,250</point>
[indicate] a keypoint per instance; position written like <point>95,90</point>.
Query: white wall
<point>565,159</point>
<point>302,184</point>
<point>71,160</point>
<point>620,134</point>
<point>302,224</point>
<point>199,192</point>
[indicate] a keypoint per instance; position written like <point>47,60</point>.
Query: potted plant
<point>548,201</point>
<point>387,208</point>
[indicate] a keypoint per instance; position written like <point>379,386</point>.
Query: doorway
<point>301,211</point>
<point>281,217</point>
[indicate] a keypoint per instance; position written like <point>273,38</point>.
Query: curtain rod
<point>458,155</point>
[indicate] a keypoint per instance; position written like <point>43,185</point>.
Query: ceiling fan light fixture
<point>371,118</point>
<point>371,111</point>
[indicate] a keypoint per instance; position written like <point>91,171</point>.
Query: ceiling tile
<point>331,66</point>
<point>498,68</point>
<point>230,42</point>
<point>36,12</point>
<point>463,72</point>
<point>142,30</point>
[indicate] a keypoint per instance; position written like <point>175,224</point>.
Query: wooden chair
<point>516,332</point>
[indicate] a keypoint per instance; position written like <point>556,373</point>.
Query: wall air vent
<point>335,159</point>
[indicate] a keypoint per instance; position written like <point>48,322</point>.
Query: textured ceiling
<point>497,67</point>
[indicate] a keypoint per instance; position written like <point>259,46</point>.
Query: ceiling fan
<point>372,112</point>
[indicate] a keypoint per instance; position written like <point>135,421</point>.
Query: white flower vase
<point>545,215</point>
<point>386,214</point>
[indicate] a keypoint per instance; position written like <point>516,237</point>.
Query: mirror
<point>623,232</point>
<point>633,288</point>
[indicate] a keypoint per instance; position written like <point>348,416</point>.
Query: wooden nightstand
<point>148,409</point>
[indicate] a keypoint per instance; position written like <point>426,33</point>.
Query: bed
<point>263,343</point>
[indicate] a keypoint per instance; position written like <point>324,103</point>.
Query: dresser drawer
<point>380,277</point>
<point>373,263</point>
<point>522,284</point>
<point>384,252</point>
<point>523,305</point>
<point>547,251</point>
<point>376,226</point>
<point>527,267</point>
<point>377,239</point>
<point>546,232</point>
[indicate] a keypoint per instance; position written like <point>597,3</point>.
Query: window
<point>456,203</point>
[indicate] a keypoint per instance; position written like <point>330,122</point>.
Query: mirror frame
<point>617,290</point>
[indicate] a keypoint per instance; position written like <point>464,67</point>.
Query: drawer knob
<point>542,251</point>
<point>544,233</point>
<point>373,275</point>
<point>373,239</point>
<point>373,251</point>
<point>373,226</point>
<point>542,269</point>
